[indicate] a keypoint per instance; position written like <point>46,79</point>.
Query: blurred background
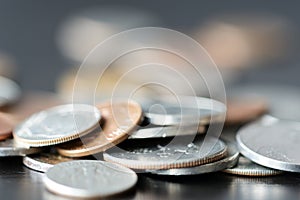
<point>251,42</point>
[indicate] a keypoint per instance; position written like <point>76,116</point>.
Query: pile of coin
<point>86,148</point>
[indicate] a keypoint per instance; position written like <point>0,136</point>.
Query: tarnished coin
<point>10,148</point>
<point>119,120</point>
<point>246,167</point>
<point>57,125</point>
<point>271,143</point>
<point>44,161</point>
<point>6,126</point>
<point>227,162</point>
<point>187,110</point>
<point>167,131</point>
<point>9,91</point>
<point>161,155</point>
<point>88,179</point>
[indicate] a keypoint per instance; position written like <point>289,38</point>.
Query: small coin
<point>161,155</point>
<point>187,110</point>
<point>6,126</point>
<point>58,124</point>
<point>10,92</point>
<point>119,120</point>
<point>246,167</point>
<point>10,148</point>
<point>227,162</point>
<point>44,161</point>
<point>272,143</point>
<point>89,179</point>
<point>166,131</point>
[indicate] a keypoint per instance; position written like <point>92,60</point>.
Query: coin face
<point>6,126</point>
<point>160,155</point>
<point>58,124</point>
<point>246,167</point>
<point>9,91</point>
<point>119,120</point>
<point>227,162</point>
<point>44,161</point>
<point>9,147</point>
<point>89,179</point>
<point>271,143</point>
<point>187,110</point>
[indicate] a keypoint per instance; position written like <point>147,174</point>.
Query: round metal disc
<point>271,143</point>
<point>10,148</point>
<point>9,91</point>
<point>57,125</point>
<point>187,110</point>
<point>120,119</point>
<point>246,167</point>
<point>227,162</point>
<point>89,179</point>
<point>44,161</point>
<point>176,154</point>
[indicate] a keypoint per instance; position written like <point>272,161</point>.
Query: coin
<point>227,162</point>
<point>156,154</point>
<point>9,147</point>
<point>44,161</point>
<point>58,124</point>
<point>88,179</point>
<point>119,120</point>
<point>9,91</point>
<point>6,126</point>
<point>272,143</point>
<point>246,167</point>
<point>184,110</point>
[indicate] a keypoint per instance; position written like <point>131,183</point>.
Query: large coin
<point>58,124</point>
<point>10,148</point>
<point>87,179</point>
<point>119,120</point>
<point>272,143</point>
<point>160,154</point>
<point>227,162</point>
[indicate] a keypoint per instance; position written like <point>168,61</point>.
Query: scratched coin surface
<point>119,120</point>
<point>227,162</point>
<point>58,124</point>
<point>158,154</point>
<point>10,92</point>
<point>246,167</point>
<point>272,143</point>
<point>9,147</point>
<point>89,179</point>
<point>44,161</point>
<point>184,110</point>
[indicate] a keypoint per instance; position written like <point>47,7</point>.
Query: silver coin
<point>87,179</point>
<point>229,161</point>
<point>184,110</point>
<point>271,143</point>
<point>246,167</point>
<point>175,154</point>
<point>9,91</point>
<point>44,161</point>
<point>58,124</point>
<point>10,148</point>
<point>166,131</point>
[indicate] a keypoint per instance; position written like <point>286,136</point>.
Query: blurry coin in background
<point>10,91</point>
<point>7,65</point>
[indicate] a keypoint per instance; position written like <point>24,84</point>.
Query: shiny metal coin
<point>184,110</point>
<point>229,161</point>
<point>119,120</point>
<point>271,143</point>
<point>10,148</point>
<point>58,124</point>
<point>10,92</point>
<point>44,161</point>
<point>166,131</point>
<point>87,179</point>
<point>246,167</point>
<point>176,154</point>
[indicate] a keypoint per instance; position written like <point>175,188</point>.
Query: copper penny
<point>6,126</point>
<point>119,121</point>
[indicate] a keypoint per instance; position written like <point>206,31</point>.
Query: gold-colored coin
<point>119,120</point>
